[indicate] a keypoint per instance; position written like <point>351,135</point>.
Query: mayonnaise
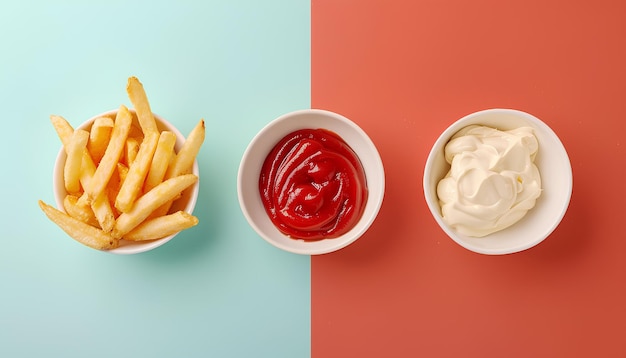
<point>493,180</point>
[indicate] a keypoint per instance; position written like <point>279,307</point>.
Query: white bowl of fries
<point>125,181</point>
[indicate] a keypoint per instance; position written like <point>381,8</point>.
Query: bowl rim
<point>138,247</point>
<point>432,201</point>
<point>310,247</point>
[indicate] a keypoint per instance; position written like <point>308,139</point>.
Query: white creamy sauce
<point>493,180</point>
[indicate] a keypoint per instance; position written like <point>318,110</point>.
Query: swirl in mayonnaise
<point>493,180</point>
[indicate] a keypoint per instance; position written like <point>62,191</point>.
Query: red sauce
<point>312,185</point>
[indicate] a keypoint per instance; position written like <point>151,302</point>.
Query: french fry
<point>99,136</point>
<point>113,186</point>
<point>163,209</point>
<point>150,201</point>
<point>111,155</point>
<point>78,230</point>
<point>100,209</point>
<point>63,128</point>
<point>103,211</point>
<point>130,150</point>
<point>135,131</point>
<point>122,172</point>
<point>74,149</point>
<point>137,172</point>
<point>160,161</point>
<point>138,98</point>
<point>187,154</point>
<point>182,163</point>
<point>82,213</point>
<point>65,131</point>
<point>162,226</point>
<point>87,169</point>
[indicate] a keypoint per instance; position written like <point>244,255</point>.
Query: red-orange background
<point>404,71</point>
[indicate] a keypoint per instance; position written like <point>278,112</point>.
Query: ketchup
<point>312,185</point>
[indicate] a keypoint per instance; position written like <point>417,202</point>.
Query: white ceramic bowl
<point>262,144</point>
<point>186,202</point>
<point>556,176</point>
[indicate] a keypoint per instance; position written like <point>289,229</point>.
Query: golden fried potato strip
<point>78,230</point>
<point>72,168</point>
<point>80,212</point>
<point>65,132</point>
<point>63,128</point>
<point>151,200</point>
<point>163,154</point>
<point>132,185</point>
<point>99,136</point>
<point>130,151</point>
<point>111,156</point>
<point>103,211</point>
<point>162,226</point>
<point>183,162</point>
<point>138,98</point>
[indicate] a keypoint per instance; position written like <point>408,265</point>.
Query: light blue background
<point>217,290</point>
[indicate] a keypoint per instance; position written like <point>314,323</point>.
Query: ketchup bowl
<point>554,168</point>
<point>332,127</point>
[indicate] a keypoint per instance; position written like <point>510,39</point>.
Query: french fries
<point>188,152</point>
<point>99,136</point>
<point>138,98</point>
<point>111,156</point>
<point>137,172</point>
<point>130,150</point>
<point>75,148</point>
<point>65,132</point>
<point>150,201</point>
<point>183,161</point>
<point>103,211</point>
<point>122,175</point>
<point>63,128</point>
<point>161,159</point>
<point>163,225</point>
<point>80,231</point>
<point>80,212</point>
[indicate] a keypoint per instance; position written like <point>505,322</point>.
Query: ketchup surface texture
<point>312,185</point>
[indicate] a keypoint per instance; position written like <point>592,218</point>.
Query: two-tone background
<point>403,71</point>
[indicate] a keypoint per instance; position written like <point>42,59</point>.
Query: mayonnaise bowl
<point>554,168</point>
